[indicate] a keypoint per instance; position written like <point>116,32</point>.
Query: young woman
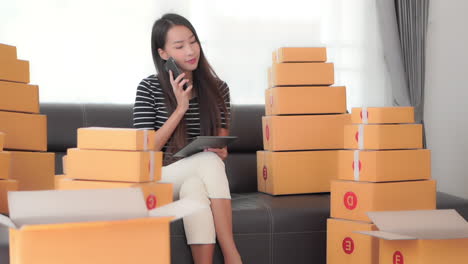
<point>178,116</point>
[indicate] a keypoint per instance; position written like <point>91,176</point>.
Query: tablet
<point>202,142</point>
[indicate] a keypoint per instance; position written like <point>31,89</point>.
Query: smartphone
<point>172,65</point>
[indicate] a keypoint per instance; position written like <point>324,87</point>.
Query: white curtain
<point>98,51</point>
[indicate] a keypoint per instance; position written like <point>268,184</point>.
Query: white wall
<point>446,106</point>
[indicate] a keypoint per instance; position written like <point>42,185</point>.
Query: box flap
<point>5,221</point>
<point>178,209</point>
<point>385,235</point>
<point>65,206</point>
<point>422,224</point>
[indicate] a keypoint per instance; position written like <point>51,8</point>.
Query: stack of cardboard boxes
<point>385,169</point>
<point>303,126</point>
<point>25,165</point>
<point>116,158</point>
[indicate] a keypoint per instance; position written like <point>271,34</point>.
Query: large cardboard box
<point>110,165</point>
<point>115,138</point>
<point>384,165</point>
<point>352,200</point>
<point>2,140</point>
<point>33,170</point>
<point>7,53</point>
<point>15,71</point>
<point>402,136</point>
<point>305,132</point>
<point>5,187</point>
<point>300,54</point>
<point>305,100</point>
<point>110,226</point>
<point>19,97</point>
<point>24,131</point>
<point>421,237</point>
<point>296,172</point>
<point>346,247</point>
<point>382,115</point>
<point>5,159</point>
<point>303,74</point>
<point>155,194</point>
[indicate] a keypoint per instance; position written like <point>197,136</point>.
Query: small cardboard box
<point>296,172</point>
<point>5,187</point>
<point>155,194</point>
<point>420,237</point>
<point>33,170</point>
<point>115,138</point>
<point>110,165</point>
<point>384,165</point>
<point>305,100</point>
<point>64,164</point>
<point>5,159</point>
<point>305,132</point>
<point>2,140</point>
<point>7,53</point>
<point>382,115</point>
<point>300,54</point>
<point>15,71</point>
<point>110,226</point>
<point>19,97</point>
<point>24,131</point>
<point>402,136</point>
<point>352,200</point>
<point>345,246</point>
<point>302,74</point>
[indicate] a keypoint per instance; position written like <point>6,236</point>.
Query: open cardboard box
<point>420,237</point>
<point>90,226</point>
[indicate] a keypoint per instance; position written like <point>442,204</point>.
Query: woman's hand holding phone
<point>182,96</point>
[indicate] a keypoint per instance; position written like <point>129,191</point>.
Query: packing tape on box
<point>356,165</point>
<point>151,165</point>
<point>365,116</point>
<point>360,136</point>
<point>145,139</point>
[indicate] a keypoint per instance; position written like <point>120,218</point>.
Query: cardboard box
<point>7,53</point>
<point>33,170</point>
<point>421,237</point>
<point>305,100</point>
<point>115,138</point>
<point>110,226</point>
<point>155,194</point>
<point>384,165</point>
<point>24,131</point>
<point>352,200</point>
<point>109,165</point>
<point>15,71</point>
<point>345,246</point>
<point>302,74</point>
<point>19,97</point>
<point>5,187</point>
<point>306,132</point>
<point>2,140</point>
<point>58,179</point>
<point>300,54</point>
<point>296,172</point>
<point>5,159</point>
<point>403,136</point>
<point>382,115</point>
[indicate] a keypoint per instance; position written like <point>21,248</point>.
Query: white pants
<point>201,176</point>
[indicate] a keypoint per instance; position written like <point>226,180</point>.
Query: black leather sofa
<point>267,229</point>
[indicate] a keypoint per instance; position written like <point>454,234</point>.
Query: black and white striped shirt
<point>150,112</point>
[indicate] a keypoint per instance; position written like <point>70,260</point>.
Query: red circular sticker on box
<point>357,136</point>
<point>267,132</point>
<point>265,173</point>
<point>350,200</point>
<point>366,114</point>
<point>360,165</point>
<point>151,201</point>
<point>271,100</point>
<point>348,245</point>
<point>398,258</point>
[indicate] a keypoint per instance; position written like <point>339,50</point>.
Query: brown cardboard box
<point>305,100</point>
<point>352,200</point>
<point>24,131</point>
<point>345,246</point>
<point>403,136</point>
<point>386,165</point>
<point>300,54</point>
<point>306,132</point>
<point>421,237</point>
<point>155,194</point>
<point>115,138</point>
<point>382,115</point>
<point>110,165</point>
<point>33,170</point>
<point>302,74</point>
<point>5,187</point>
<point>19,97</point>
<point>15,71</point>
<point>5,159</point>
<point>7,53</point>
<point>296,172</point>
<point>2,140</point>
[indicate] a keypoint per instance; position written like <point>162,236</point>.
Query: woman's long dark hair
<point>206,83</point>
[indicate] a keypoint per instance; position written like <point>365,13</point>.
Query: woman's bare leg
<point>202,253</point>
